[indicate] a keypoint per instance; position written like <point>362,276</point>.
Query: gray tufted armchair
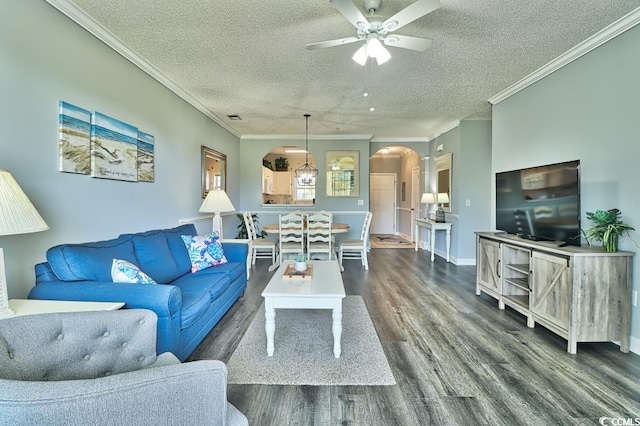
<point>101,368</point>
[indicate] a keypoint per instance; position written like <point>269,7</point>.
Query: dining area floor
<point>390,241</point>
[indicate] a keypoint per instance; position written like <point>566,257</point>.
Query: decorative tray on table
<point>291,274</point>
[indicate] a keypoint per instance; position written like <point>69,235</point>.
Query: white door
<point>415,199</point>
<point>383,203</point>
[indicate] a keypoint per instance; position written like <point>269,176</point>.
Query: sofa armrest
<point>189,393</point>
<point>235,252</point>
<point>164,300</point>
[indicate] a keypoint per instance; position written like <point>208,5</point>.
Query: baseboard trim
<point>465,262</point>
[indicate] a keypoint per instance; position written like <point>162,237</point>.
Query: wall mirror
<point>343,175</point>
<point>444,178</point>
<point>214,170</point>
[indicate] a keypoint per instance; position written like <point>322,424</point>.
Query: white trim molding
<point>623,24</point>
<point>78,16</point>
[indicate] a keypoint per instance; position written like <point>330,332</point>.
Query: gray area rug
<point>304,350</point>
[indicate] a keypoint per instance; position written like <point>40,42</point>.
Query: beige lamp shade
<point>427,198</point>
<point>217,201</point>
<point>443,198</point>
<point>17,214</point>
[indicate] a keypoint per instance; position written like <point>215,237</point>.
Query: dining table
<point>274,228</point>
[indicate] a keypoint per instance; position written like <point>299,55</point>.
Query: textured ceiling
<point>248,58</point>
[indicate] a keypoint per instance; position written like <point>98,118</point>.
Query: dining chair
<point>319,233</point>
<point>357,249</point>
<point>291,230</point>
<point>260,247</point>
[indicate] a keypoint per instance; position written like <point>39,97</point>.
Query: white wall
<point>45,58</point>
<point>588,110</point>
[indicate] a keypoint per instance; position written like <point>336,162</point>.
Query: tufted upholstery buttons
<point>106,334</point>
<point>124,345</point>
<point>11,355</point>
<point>60,336</point>
<point>108,373</point>
<point>141,359</point>
<point>87,357</point>
<point>141,322</point>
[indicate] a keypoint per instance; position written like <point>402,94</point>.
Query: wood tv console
<point>580,293</point>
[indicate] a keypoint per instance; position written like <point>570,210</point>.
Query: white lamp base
<point>217,224</point>
<point>5,311</point>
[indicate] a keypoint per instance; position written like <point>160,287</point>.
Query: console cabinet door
<point>551,288</point>
<point>489,265</point>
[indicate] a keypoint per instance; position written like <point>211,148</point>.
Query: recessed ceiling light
<point>365,94</point>
<point>295,151</point>
<point>234,117</point>
<point>372,109</point>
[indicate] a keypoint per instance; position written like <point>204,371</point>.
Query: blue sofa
<point>188,305</point>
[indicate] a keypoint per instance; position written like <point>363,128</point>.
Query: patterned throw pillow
<point>126,272</point>
<point>205,251</point>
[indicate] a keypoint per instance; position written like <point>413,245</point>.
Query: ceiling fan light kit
<point>374,31</point>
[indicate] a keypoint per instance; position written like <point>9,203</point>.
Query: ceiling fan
<point>375,30</point>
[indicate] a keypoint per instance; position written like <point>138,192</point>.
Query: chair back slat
<point>319,239</point>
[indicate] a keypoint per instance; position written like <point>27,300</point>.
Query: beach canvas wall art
<point>74,142</point>
<point>114,148</point>
<point>145,157</point>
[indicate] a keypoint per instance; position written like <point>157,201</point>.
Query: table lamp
<point>427,198</point>
<point>216,202</point>
<point>443,198</point>
<point>17,216</point>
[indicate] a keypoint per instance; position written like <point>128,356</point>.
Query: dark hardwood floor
<point>457,358</point>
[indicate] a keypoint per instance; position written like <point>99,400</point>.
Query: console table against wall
<point>582,294</point>
<point>433,227</point>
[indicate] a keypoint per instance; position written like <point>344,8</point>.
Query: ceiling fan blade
<point>408,42</point>
<point>331,43</point>
<point>350,11</point>
<point>410,14</point>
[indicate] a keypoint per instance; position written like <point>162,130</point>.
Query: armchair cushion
<point>47,380</point>
<point>76,345</point>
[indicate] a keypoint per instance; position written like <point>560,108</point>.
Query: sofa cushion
<point>194,306</point>
<point>154,257</point>
<point>231,269</point>
<point>126,272</point>
<point>175,243</point>
<point>215,284</point>
<point>89,261</point>
<point>178,249</point>
<point>204,251</point>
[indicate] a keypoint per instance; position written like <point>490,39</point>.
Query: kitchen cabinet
<point>282,183</point>
<point>267,180</point>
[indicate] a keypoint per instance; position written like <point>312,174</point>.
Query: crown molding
<point>623,24</point>
<point>78,16</point>
<point>399,140</point>
<point>311,137</point>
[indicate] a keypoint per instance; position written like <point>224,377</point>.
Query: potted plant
<point>242,227</point>
<point>282,164</point>
<point>301,263</point>
<point>608,228</point>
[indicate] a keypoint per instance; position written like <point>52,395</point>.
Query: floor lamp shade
<point>216,202</point>
<point>17,216</point>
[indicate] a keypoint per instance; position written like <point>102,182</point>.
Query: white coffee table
<point>36,306</point>
<point>324,291</point>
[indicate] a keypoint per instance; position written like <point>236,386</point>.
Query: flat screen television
<point>540,203</point>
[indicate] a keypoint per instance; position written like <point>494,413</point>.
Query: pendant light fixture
<point>305,174</point>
